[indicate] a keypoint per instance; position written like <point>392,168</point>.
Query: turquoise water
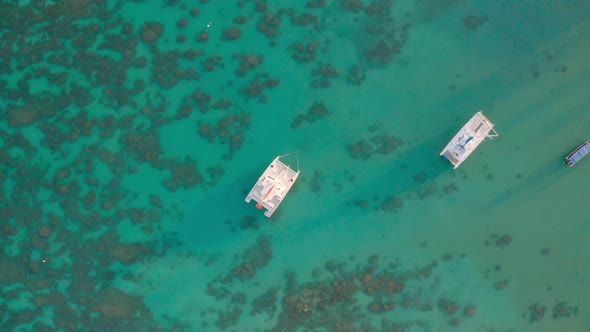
<point>127,152</point>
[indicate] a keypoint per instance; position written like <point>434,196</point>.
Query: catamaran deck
<point>273,186</point>
<point>579,153</point>
<point>473,133</point>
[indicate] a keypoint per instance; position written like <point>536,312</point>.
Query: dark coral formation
<point>266,303</point>
<point>314,113</point>
<point>316,181</point>
<point>151,31</point>
<point>469,311</point>
<point>383,35</point>
<point>500,285</point>
<point>304,52</point>
<point>184,174</point>
<point>322,76</point>
<point>385,144</point>
<point>331,303</point>
<point>500,241</point>
<point>473,22</point>
<point>143,146</point>
<point>231,33</point>
<point>269,25</point>
<point>382,144</point>
<point>356,75</point>
<point>360,149</point>
<point>229,318</point>
<point>504,241</point>
<point>253,258</point>
<point>450,188</point>
<point>331,300</point>
<point>100,123</point>
<point>256,87</point>
<point>448,307</point>
<point>392,204</point>
<point>537,312</point>
<point>248,62</point>
<point>563,309</point>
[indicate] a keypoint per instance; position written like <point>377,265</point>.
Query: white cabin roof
<point>469,137</point>
<point>272,186</point>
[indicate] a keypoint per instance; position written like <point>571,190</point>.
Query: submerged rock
<point>117,304</point>
<point>473,22</point>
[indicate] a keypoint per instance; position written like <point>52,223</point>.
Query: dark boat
<point>579,153</point>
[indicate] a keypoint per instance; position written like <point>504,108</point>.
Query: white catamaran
<point>273,185</point>
<point>473,133</point>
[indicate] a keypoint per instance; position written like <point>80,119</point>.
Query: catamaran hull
<point>273,186</point>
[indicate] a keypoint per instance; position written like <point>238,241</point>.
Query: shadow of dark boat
<point>557,136</point>
<point>543,178</point>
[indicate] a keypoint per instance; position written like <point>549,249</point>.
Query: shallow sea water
<point>127,152</point>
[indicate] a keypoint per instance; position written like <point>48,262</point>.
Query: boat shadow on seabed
<point>208,221</point>
<point>540,180</point>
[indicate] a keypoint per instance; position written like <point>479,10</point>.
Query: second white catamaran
<point>473,133</point>
<point>273,185</point>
